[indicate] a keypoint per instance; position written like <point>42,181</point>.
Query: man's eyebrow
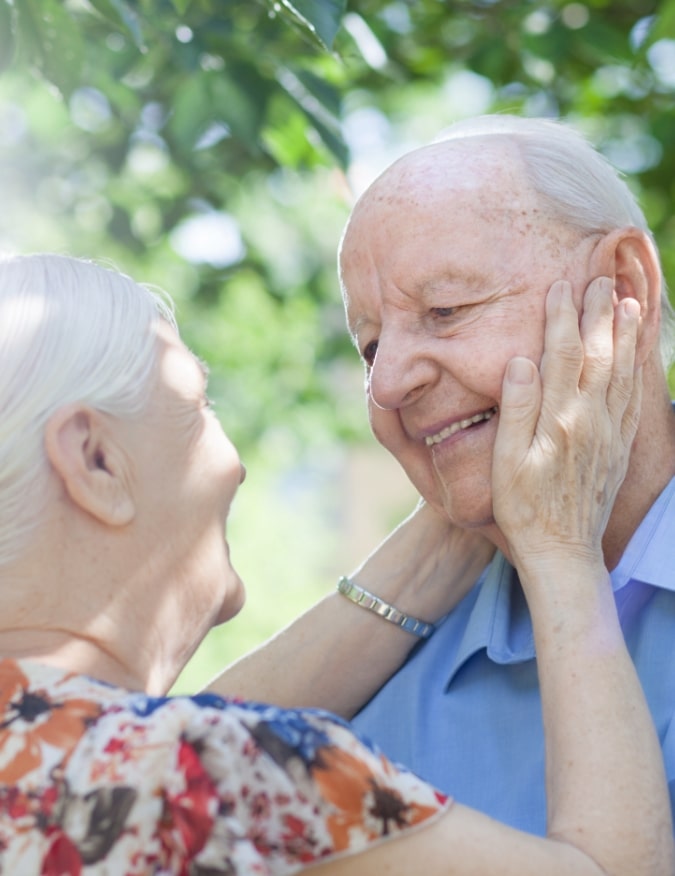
<point>472,280</point>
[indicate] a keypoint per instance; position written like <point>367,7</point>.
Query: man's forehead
<point>456,158</point>
<point>433,206</point>
<point>449,172</point>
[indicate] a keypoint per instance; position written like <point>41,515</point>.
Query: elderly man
<point>444,265</point>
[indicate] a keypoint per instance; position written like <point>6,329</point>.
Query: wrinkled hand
<point>434,562</point>
<point>447,560</point>
<point>564,437</point>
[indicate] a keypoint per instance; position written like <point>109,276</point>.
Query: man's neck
<point>651,469</point>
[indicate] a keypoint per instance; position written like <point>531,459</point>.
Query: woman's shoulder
<point>187,778</point>
<point>35,695</point>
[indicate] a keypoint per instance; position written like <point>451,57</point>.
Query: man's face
<point>445,266</point>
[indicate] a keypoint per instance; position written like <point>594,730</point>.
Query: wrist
<point>570,597</point>
<point>385,610</point>
<point>426,565</point>
<point>542,562</point>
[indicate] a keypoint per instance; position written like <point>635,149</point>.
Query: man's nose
<point>401,371</point>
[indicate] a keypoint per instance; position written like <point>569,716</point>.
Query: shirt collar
<point>500,623</point>
<point>650,555</point>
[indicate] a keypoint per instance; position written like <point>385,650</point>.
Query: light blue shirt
<point>464,712</point>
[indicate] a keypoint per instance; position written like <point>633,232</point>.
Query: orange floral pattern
<point>98,780</point>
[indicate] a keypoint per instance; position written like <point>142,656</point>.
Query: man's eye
<point>443,311</point>
<point>369,352</point>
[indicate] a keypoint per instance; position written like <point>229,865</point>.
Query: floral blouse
<point>95,779</point>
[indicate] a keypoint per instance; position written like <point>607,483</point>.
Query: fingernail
<point>520,370</point>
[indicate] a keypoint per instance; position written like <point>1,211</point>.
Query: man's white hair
<point>576,184</point>
<point>70,331</point>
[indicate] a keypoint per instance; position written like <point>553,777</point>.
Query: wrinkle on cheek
<point>385,426</point>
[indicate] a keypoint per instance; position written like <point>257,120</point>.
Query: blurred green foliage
<point>122,123</point>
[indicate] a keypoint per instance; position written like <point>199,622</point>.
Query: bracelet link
<point>360,596</point>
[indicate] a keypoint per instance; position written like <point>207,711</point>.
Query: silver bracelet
<point>368,600</point>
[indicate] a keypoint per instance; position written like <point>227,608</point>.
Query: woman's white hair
<point>70,331</point>
<point>575,182</point>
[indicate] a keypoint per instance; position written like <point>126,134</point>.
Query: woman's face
<point>187,472</point>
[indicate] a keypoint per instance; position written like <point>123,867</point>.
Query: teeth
<point>457,427</point>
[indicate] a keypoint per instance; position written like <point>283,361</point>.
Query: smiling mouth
<point>430,440</point>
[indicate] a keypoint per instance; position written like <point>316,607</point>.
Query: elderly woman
<point>115,484</point>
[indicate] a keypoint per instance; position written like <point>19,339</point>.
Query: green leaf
<point>324,15</point>
<point>321,18</point>
<point>232,104</point>
<point>664,24</point>
<point>6,35</point>
<point>191,111</point>
<point>205,99</point>
<point>327,94</point>
<point>49,40</point>
<point>29,30</point>
<point>311,96</point>
<point>119,13</point>
<point>181,6</point>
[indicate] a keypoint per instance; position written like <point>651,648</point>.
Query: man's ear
<point>81,447</point>
<point>629,257</point>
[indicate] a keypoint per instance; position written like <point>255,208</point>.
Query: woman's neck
<point>71,652</point>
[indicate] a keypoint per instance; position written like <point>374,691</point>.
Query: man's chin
<point>466,517</point>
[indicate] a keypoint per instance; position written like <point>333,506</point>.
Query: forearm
<point>609,813</point>
<point>561,453</point>
<point>604,771</point>
<point>336,655</point>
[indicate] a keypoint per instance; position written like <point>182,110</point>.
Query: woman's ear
<point>629,257</point>
<point>82,448</point>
